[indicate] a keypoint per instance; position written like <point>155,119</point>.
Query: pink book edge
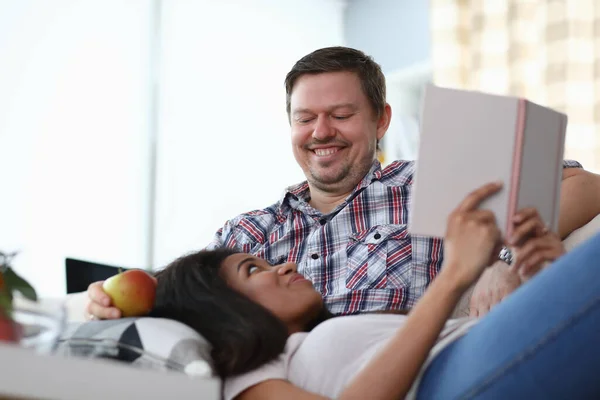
<point>516,166</point>
<point>559,156</point>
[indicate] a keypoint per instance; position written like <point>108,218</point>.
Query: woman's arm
<point>392,372</point>
<point>471,240</point>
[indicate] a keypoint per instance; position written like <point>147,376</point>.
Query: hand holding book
<point>534,243</point>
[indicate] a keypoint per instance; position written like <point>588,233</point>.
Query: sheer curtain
<point>546,51</point>
<point>73,134</point>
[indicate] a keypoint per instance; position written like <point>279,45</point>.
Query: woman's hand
<point>472,240</point>
<point>534,244</point>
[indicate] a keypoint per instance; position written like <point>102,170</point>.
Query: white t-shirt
<point>326,359</point>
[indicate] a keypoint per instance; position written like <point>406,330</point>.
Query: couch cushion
<point>582,234</point>
<point>154,343</point>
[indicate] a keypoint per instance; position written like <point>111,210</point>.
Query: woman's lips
<point>297,278</point>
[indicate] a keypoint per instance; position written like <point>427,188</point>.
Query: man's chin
<point>327,179</point>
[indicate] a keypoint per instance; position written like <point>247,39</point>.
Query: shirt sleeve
<point>276,369</point>
<point>225,237</point>
<point>571,164</point>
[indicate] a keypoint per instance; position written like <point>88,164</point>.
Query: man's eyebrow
<point>343,105</point>
<point>301,111</point>
<point>245,260</point>
<point>332,108</point>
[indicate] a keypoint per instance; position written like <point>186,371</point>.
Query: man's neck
<point>326,202</point>
<point>326,198</point>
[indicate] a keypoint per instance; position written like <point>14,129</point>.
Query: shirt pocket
<point>379,257</point>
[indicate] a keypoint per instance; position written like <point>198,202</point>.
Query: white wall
<point>395,32</point>
<point>73,134</point>
<point>224,144</point>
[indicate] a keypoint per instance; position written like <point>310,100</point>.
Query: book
<point>471,138</point>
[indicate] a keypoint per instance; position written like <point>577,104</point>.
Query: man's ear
<point>383,122</point>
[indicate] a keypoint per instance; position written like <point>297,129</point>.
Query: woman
<point>272,337</point>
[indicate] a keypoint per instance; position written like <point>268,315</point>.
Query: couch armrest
<point>580,235</point>
<point>75,304</point>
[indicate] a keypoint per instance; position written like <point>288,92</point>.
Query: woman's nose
<point>287,268</point>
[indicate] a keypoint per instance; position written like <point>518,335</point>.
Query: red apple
<point>8,331</point>
<point>132,292</point>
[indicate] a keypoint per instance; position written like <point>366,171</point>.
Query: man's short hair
<point>337,59</point>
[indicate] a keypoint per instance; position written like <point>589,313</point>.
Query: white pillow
<point>152,343</point>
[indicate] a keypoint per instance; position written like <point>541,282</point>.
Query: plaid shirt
<point>360,256</point>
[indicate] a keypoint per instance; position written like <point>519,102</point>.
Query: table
<point>27,375</point>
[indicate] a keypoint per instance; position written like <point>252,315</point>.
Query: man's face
<point>334,129</point>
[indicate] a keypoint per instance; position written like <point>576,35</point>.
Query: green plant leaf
<point>12,281</point>
<point>5,303</point>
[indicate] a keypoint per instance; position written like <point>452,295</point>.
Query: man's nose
<point>287,268</point>
<point>323,129</point>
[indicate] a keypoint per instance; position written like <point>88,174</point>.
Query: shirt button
<point>315,256</point>
<point>322,221</point>
<point>377,236</point>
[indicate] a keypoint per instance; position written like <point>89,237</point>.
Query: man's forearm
<point>579,200</point>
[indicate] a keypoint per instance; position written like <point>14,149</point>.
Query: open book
<point>469,139</point>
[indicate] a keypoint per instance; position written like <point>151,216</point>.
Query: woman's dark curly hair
<point>244,335</point>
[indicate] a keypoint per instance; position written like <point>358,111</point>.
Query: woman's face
<point>280,289</point>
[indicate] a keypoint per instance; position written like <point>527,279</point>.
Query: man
<point>346,225</point>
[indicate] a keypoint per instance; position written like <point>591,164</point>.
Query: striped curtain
<point>547,51</point>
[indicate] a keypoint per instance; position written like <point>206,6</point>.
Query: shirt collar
<point>301,192</point>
